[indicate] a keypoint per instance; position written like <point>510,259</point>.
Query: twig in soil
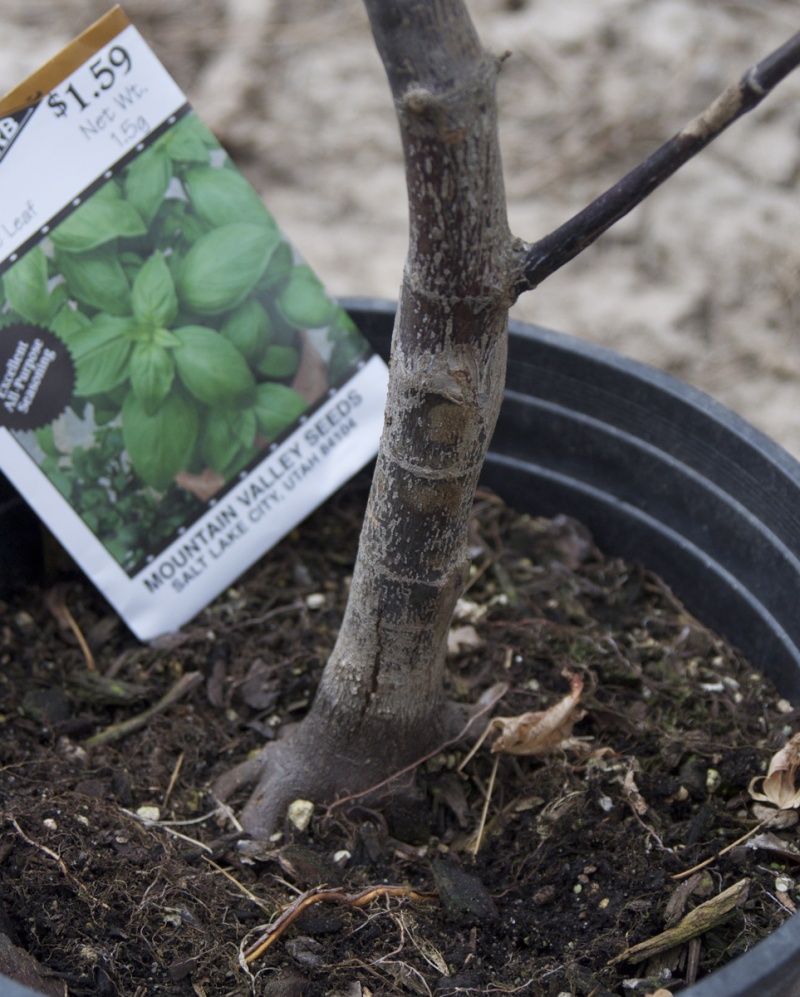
<point>173,778</point>
<point>247,893</point>
<point>165,826</point>
<point>171,641</point>
<point>71,877</point>
<point>727,848</point>
<point>485,811</point>
<point>426,949</point>
<point>398,968</point>
<point>566,242</point>
<point>115,732</point>
<point>228,814</point>
<point>784,901</point>
<point>318,895</point>
<point>778,788</point>
<point>258,620</point>
<point>56,603</point>
<point>697,922</point>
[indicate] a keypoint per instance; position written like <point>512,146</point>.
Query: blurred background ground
<point>702,281</point>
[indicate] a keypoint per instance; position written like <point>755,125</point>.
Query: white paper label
<point>177,392</point>
<point>93,119</point>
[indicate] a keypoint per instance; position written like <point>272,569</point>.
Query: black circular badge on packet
<point>37,376</point>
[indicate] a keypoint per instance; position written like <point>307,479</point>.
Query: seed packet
<point>177,390</point>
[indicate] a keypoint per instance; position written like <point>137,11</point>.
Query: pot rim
<point>650,463</point>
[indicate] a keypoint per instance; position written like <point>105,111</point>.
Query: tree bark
<point>447,374</point>
<point>380,704</point>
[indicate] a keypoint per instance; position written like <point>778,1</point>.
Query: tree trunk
<point>380,704</point>
<point>446,383</point>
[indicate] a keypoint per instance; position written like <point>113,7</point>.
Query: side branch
<point>543,258</point>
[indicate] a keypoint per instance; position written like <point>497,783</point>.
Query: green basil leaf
<point>193,228</point>
<point>44,437</point>
<point>146,181</point>
<point>277,407</point>
<point>279,362</point>
<point>58,298</point>
<point>303,302</point>
<point>97,279</point>
<point>165,338</point>
<point>279,269</point>
<point>26,287</point>
<point>101,351</point>
<point>185,142</point>
<point>225,432</point>
<point>95,222</point>
<point>167,223</point>
<point>68,322</point>
<point>223,266</point>
<point>153,297</point>
<point>212,369</point>
<point>348,347</point>
<point>160,445</point>
<point>152,371</point>
<point>248,328</point>
<point>131,263</point>
<point>220,196</point>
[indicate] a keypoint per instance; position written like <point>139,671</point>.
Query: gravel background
<point>701,281</point>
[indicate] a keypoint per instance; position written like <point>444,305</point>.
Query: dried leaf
<point>543,732</point>
<point>776,820</point>
<point>631,793</point>
<point>259,690</point>
<point>426,948</point>
<point>778,786</point>
<point>770,842</point>
<point>463,638</point>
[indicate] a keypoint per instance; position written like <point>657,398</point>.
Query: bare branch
<point>549,254</point>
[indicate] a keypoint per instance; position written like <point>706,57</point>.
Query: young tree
<point>380,705</point>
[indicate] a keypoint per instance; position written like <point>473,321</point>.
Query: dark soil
<point>579,850</point>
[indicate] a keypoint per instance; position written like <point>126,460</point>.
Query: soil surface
<point>702,280</point>
<point>580,847</point>
<point>121,874</point>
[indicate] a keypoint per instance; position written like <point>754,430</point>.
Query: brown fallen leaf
<point>778,786</point>
<point>531,734</point>
<point>631,793</point>
<point>770,842</point>
<point>536,733</point>
<point>542,732</point>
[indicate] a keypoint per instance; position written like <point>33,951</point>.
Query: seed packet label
<point>177,390</point>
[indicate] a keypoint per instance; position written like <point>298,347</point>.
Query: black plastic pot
<point>20,540</point>
<point>665,476</point>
